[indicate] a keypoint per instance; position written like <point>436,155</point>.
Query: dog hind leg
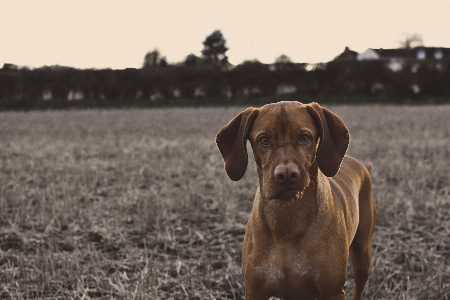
<point>361,246</point>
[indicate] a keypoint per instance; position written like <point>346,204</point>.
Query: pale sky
<point>117,33</point>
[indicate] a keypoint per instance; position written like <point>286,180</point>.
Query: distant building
<point>396,57</point>
<point>347,55</point>
<point>413,53</point>
<point>7,66</point>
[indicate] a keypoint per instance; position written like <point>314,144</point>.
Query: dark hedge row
<point>210,84</point>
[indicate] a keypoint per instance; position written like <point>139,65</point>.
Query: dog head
<point>287,139</point>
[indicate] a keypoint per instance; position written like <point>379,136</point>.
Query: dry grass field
<point>135,204</point>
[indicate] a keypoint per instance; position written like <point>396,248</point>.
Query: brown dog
<point>313,205</point>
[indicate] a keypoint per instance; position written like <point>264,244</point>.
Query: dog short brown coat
<point>313,206</point>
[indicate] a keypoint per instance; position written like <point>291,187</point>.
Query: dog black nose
<point>287,173</point>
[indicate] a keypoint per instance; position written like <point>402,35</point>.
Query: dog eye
<point>304,138</point>
<point>264,141</point>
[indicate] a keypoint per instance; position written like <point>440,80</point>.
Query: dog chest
<point>283,273</point>
<point>290,272</point>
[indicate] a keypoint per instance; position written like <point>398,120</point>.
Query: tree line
<point>210,79</point>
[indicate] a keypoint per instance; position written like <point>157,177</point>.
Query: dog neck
<point>288,220</point>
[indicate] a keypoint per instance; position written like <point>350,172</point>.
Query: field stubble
<point>135,204</point>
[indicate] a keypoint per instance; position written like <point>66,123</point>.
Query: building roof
<point>420,52</point>
<point>347,54</point>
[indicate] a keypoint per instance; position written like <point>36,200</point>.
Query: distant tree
<point>163,62</point>
<point>153,59</point>
<point>283,62</point>
<point>214,48</point>
<point>282,59</point>
<point>411,40</point>
<point>192,60</point>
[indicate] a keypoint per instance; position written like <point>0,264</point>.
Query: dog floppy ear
<point>232,141</point>
<point>334,139</point>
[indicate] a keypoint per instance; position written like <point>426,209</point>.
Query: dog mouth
<point>287,192</point>
<point>295,194</point>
